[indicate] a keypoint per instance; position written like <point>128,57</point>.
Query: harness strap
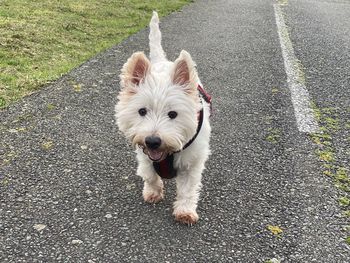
<point>199,126</point>
<point>206,97</point>
<point>204,94</point>
<point>165,168</point>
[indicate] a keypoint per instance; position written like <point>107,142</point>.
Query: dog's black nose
<point>153,142</point>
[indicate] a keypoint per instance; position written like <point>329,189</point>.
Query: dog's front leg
<point>153,186</point>
<point>188,184</point>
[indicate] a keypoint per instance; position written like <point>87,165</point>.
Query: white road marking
<point>300,97</point>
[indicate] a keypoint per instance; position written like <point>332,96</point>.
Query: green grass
<point>274,135</point>
<point>328,118</point>
<point>348,240</point>
<point>344,201</point>
<point>41,40</point>
<point>330,125</point>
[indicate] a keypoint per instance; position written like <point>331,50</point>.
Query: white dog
<point>164,112</point>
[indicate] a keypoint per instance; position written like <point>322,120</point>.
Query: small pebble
<point>77,242</point>
<point>39,227</point>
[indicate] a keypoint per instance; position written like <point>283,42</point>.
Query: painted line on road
<point>300,97</point>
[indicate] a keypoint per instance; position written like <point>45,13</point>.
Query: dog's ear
<point>135,70</point>
<point>184,72</point>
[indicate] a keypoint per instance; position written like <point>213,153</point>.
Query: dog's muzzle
<point>152,148</point>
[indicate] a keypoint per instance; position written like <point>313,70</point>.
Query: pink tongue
<point>154,154</point>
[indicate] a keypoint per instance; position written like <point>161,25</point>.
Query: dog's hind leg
<point>155,38</point>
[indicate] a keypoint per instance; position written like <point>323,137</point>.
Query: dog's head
<point>157,110</point>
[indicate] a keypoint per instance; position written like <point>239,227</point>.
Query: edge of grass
<point>42,40</point>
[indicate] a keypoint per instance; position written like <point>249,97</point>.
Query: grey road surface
<point>69,192</point>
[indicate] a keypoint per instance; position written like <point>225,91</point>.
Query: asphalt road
<point>67,171</point>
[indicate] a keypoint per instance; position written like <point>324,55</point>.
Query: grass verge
<point>41,40</point>
<point>328,118</point>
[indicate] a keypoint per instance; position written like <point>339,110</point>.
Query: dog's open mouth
<point>155,155</point>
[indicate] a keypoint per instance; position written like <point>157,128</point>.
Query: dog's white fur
<point>161,86</point>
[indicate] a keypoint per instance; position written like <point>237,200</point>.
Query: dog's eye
<point>172,114</point>
<point>142,111</point>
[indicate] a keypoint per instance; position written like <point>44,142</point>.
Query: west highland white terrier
<point>164,111</point>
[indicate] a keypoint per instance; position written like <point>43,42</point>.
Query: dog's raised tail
<point>155,38</point>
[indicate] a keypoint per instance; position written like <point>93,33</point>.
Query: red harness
<point>165,168</point>
<point>206,96</point>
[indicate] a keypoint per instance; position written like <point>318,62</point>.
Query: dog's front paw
<point>153,197</point>
<point>153,192</point>
<point>187,218</point>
